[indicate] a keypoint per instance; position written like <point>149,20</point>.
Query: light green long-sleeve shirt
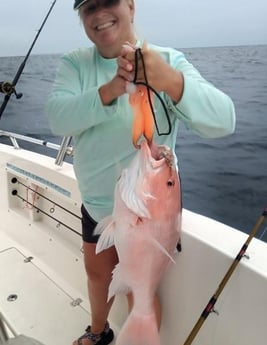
<point>102,134</point>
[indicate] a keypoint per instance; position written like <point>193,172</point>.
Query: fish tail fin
<point>139,329</point>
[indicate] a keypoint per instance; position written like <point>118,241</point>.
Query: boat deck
<point>25,287</point>
<point>33,302</point>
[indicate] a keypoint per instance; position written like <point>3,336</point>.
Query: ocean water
<point>226,178</point>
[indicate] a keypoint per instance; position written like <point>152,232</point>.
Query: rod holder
<point>64,150</point>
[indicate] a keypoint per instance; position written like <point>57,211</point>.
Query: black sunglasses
<point>91,6</point>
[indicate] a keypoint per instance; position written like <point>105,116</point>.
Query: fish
<point>144,227</point>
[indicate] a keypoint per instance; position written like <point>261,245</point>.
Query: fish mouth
<point>158,155</point>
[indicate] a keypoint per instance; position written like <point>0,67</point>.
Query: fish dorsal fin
<point>105,228</point>
<point>162,249</point>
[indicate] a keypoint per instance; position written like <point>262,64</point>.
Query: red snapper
<point>145,228</point>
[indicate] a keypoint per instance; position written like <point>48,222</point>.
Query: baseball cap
<point>78,4</point>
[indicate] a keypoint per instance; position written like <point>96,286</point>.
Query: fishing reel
<point>8,88</point>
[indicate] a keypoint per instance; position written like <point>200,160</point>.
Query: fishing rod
<point>9,88</point>
<point>210,306</point>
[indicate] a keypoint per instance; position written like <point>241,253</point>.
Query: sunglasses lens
<point>92,6</point>
<point>109,3</point>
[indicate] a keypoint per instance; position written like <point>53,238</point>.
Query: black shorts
<point>88,227</point>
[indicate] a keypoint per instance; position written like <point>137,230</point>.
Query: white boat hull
<point>49,291</point>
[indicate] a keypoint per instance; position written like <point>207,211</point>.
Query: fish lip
<point>155,159</point>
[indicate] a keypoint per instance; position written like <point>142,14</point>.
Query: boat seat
<point>22,340</point>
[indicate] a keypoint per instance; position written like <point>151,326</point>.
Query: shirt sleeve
<point>203,108</point>
<point>70,109</point>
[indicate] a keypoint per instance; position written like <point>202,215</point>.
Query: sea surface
<point>226,178</point>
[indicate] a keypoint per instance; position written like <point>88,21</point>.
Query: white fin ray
<point>106,228</point>
<point>117,285</point>
<point>163,250</point>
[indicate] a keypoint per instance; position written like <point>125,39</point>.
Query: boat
<point>43,295</point>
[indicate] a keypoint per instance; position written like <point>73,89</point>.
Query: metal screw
<point>12,298</point>
<point>28,259</point>
<point>76,302</point>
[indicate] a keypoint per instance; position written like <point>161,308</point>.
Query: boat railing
<point>64,149</point>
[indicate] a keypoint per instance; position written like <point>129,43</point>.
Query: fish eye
<point>170,183</point>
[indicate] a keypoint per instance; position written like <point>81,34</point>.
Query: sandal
<point>179,246</point>
<point>103,338</point>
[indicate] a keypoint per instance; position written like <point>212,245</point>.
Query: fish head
<point>150,186</point>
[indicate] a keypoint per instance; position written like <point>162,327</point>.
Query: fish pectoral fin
<point>105,228</point>
<point>117,285</point>
<point>104,224</point>
<point>163,250</point>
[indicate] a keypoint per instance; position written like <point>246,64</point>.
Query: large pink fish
<point>145,228</point>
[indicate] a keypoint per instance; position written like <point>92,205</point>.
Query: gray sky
<point>176,23</point>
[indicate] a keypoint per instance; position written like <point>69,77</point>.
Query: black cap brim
<point>78,4</point>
